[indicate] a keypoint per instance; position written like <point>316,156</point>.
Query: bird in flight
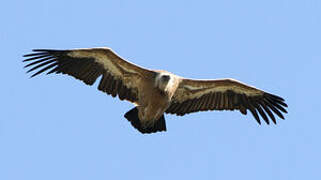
<point>155,92</point>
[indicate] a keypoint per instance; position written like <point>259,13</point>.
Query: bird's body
<point>155,92</point>
<point>156,97</point>
<point>152,103</point>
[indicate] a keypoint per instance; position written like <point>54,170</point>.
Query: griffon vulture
<point>155,92</point>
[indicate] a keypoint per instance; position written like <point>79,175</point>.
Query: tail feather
<point>132,117</point>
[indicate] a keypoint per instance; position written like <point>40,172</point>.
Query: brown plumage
<point>152,91</point>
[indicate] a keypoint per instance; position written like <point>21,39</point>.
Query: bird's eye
<point>165,77</point>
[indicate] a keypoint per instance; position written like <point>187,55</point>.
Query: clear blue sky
<point>55,127</point>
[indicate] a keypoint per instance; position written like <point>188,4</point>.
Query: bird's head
<point>162,81</point>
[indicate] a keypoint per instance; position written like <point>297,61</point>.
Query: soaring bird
<point>155,92</point>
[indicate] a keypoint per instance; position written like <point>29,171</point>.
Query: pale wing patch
<point>191,92</point>
<point>101,58</point>
<point>131,74</point>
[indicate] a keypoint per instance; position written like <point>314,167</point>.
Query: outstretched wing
<point>119,77</point>
<point>225,94</point>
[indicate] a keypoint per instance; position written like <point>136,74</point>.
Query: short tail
<point>132,117</point>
